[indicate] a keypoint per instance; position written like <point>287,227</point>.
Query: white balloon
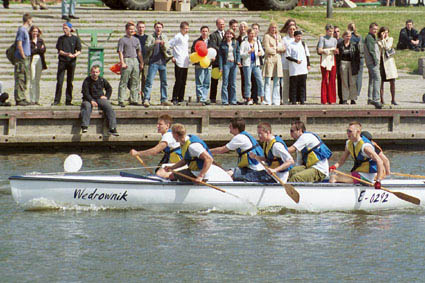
<point>72,163</point>
<point>212,53</point>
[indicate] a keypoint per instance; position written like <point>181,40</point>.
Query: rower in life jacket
<point>311,156</point>
<point>194,163</point>
<point>244,159</point>
<point>362,163</point>
<point>271,160</point>
<point>171,155</point>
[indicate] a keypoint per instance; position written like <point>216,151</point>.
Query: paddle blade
<point>292,193</point>
<point>408,198</point>
<point>72,163</point>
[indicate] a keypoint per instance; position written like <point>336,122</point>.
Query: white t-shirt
<point>195,149</point>
<point>180,46</point>
<point>368,176</point>
<point>296,50</point>
<point>286,40</point>
<point>169,140</point>
<point>280,151</point>
<point>244,143</point>
<point>309,140</point>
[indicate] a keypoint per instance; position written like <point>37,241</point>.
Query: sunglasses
<point>349,131</point>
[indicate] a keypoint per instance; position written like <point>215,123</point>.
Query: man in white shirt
<point>180,46</point>
<point>167,144</point>
<point>243,143</point>
<point>312,155</point>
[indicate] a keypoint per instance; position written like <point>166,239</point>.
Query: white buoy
<point>72,163</point>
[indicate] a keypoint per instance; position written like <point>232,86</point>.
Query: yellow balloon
<point>194,58</point>
<point>215,73</point>
<point>205,62</point>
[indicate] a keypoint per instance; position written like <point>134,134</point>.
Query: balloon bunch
<point>116,68</point>
<point>202,54</point>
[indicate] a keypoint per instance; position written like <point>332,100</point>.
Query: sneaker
<point>250,102</point>
<point>204,103</point>
<point>394,103</point>
<point>23,103</point>
<point>65,18</point>
<point>73,17</point>
<point>122,104</point>
<point>166,103</point>
<point>69,104</point>
<point>377,105</point>
<point>135,104</point>
<point>353,102</point>
<point>84,129</point>
<point>369,102</point>
<point>114,132</point>
<point>146,103</point>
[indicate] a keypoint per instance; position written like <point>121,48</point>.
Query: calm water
<point>72,245</point>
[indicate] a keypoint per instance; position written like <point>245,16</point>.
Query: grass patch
<point>313,20</point>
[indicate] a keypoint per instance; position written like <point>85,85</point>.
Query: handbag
<point>390,52</point>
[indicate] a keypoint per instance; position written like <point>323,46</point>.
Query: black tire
<point>279,4</point>
<point>138,4</point>
<point>114,4</point>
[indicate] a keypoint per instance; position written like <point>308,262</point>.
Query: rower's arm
<point>284,165</point>
<point>292,149</point>
<point>207,164</point>
<point>375,157</point>
<point>342,160</point>
<point>219,150</point>
<point>151,151</point>
<point>386,162</point>
<point>257,157</point>
<point>176,165</point>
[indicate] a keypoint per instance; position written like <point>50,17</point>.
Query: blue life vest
<point>311,156</point>
<point>362,163</point>
<point>274,161</point>
<point>244,159</point>
<point>194,163</point>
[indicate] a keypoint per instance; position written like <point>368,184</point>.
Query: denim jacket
<point>224,49</point>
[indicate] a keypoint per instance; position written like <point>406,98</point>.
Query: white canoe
<point>35,191</point>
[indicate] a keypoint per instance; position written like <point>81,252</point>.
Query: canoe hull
<point>123,192</point>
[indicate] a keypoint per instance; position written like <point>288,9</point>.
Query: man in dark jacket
<point>215,40</point>
<point>409,38</point>
<point>94,96</point>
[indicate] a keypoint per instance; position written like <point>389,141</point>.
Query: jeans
<point>275,97</point>
<point>68,7</point>
<point>105,106</point>
<point>69,67</point>
<point>374,83</point>
<point>256,72</point>
<point>229,79</point>
<point>153,68</point>
<point>202,77</point>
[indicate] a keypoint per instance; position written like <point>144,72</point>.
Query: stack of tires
<point>254,5</point>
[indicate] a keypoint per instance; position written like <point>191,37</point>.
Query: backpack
<point>10,53</point>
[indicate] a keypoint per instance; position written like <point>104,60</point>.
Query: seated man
<point>276,152</point>
<point>243,143</point>
<point>4,96</point>
<point>380,152</point>
<point>409,38</point>
<point>312,155</point>
<point>197,156</point>
<point>367,164</point>
<point>167,144</point>
<point>94,96</point>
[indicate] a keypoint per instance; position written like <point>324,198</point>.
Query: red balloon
<point>203,51</point>
<point>199,44</point>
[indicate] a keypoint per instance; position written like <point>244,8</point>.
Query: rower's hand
<point>134,152</point>
<point>332,168</point>
<point>252,155</point>
<point>272,170</point>
<point>199,179</point>
<point>168,168</point>
<point>377,185</point>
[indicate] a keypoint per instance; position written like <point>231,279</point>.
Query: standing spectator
<point>22,59</point>
<point>131,60</point>
<point>357,38</point>
<point>298,57</point>
<point>180,46</point>
<point>157,55</point>
<point>142,37</point>
<point>274,48</point>
<point>3,96</point>
<point>96,93</point>
<point>409,38</point>
<point>387,65</point>
<point>202,75</point>
<point>69,47</point>
<point>36,3</point>
<point>337,35</point>
<point>251,52</point>
<point>288,28</point>
<point>348,60</point>
<point>372,57</point>
<point>215,40</point>
<point>242,37</point>
<point>229,59</point>
<point>233,25</point>
<point>259,39</point>
<point>68,9</point>
<point>327,50</point>
<point>38,63</point>
<point>6,4</point>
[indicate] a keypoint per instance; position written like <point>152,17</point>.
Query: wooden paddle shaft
<point>143,163</point>
<point>201,182</point>
<point>408,175</point>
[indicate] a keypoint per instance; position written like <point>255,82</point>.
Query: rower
<point>380,152</point>
<point>167,144</point>
<point>312,155</point>
<point>367,163</point>
<point>243,143</point>
<point>276,152</point>
<point>197,156</point>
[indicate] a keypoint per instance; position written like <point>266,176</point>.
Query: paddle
<point>143,163</point>
<point>408,175</point>
<point>400,195</point>
<point>290,190</point>
<point>201,182</point>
